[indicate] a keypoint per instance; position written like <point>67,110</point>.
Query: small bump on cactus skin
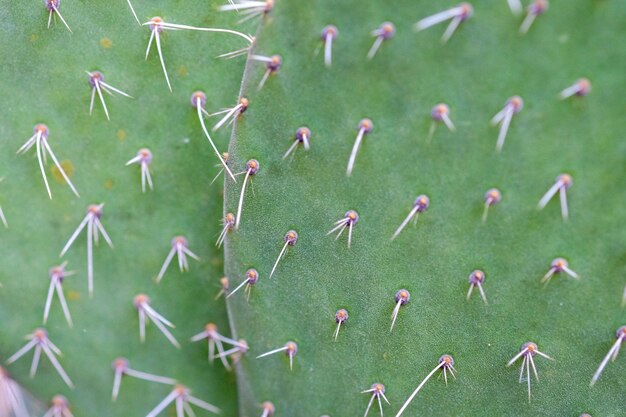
<point>476,279</point>
<point>580,88</point>
<point>341,316</point>
<point>384,32</point>
<point>302,136</point>
<point>53,7</point>
<point>144,159</point>
<point>96,81</point>
<point>252,277</point>
<point>377,391</point>
<point>94,229</point>
<point>272,65</point>
<point>348,221</point>
<point>231,114</point>
<point>528,350</point>
<point>227,225</point>
<point>57,276</point>
<point>492,197</point>
<point>39,341</point>
<point>563,182</point>
<point>421,204</point>
<point>149,314</point>
<point>456,15</point>
<point>329,33</point>
<point>121,368</point>
<point>180,249</point>
<point>268,409</point>
<point>40,141</point>
<point>440,113</point>
<point>252,168</point>
<point>291,238</point>
<point>183,400</point>
<point>401,298</point>
<point>558,265</point>
<point>290,349</point>
<point>503,118</point>
<point>365,128</point>
<point>198,100</point>
<point>217,340</point>
<point>536,8</point>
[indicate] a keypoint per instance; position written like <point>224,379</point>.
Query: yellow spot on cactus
<point>108,184</point>
<point>106,43</point>
<point>33,38</point>
<point>121,134</point>
<point>183,72</point>
<point>73,295</point>
<point>217,261</point>
<point>67,167</point>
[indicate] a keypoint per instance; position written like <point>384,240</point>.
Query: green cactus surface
<point>332,301</point>
<point>484,63</point>
<point>44,81</point>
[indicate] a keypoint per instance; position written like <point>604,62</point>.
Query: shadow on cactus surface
<point>484,63</point>
<point>44,80</point>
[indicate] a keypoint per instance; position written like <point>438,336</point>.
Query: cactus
<point>45,81</point>
<point>483,64</point>
<point>357,127</point>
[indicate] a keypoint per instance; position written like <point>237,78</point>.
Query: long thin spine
<point>271,352</point>
<point>282,252</point>
<point>375,46</point>
<point>104,105</point>
<point>90,232</point>
<point>528,375</point>
<point>3,218</point>
<point>452,27</point>
<point>419,387</point>
<point>328,50</point>
<point>528,21</point>
<point>60,17</point>
<point>605,361</point>
<point>149,377</point>
<point>394,315</point>
<point>164,403</point>
<point>238,287</point>
<point>240,205</point>
<point>60,167</point>
<point>408,218</point>
<point>35,363</point>
<point>57,366</point>
<point>355,149</point>
<point>66,311</point>
<point>564,209</point>
<point>25,349</point>
<point>157,38</point>
<point>41,167</point>
<point>133,12</point>
<point>46,309</point>
<point>206,132</point>
<point>504,127</point>
<point>549,194</point>
<point>436,18</point>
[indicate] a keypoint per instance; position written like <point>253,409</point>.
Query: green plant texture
<point>44,81</point>
<point>486,62</point>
